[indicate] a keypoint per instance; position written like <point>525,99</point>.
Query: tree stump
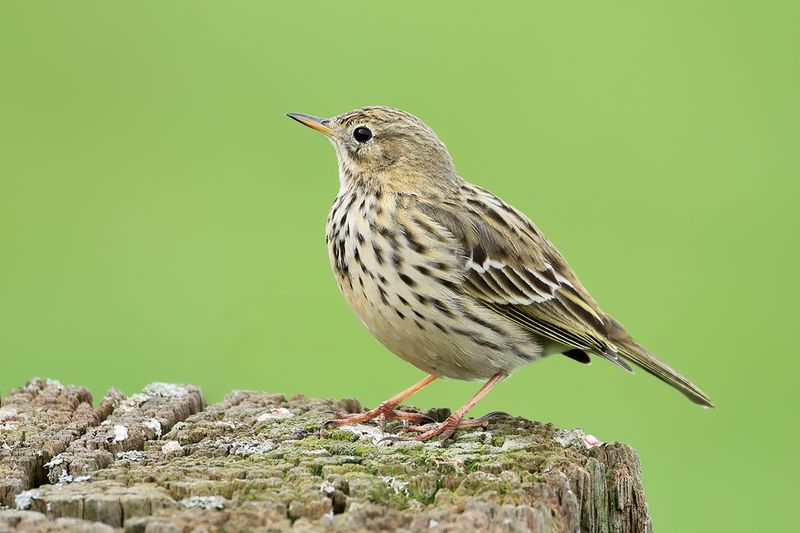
<point>161,460</point>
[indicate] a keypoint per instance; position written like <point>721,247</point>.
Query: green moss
<point>423,488</point>
<point>343,470</point>
<point>308,473</point>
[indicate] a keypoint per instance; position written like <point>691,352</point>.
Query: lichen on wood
<point>261,461</point>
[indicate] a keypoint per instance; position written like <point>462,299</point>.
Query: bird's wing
<point>514,270</point>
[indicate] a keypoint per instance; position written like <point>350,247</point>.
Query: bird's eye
<point>362,134</point>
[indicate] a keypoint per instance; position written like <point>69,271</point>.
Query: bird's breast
<point>402,275</point>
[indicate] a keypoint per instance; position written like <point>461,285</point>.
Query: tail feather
<point>653,365</point>
<point>632,351</point>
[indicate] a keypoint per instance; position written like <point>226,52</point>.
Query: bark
<point>162,461</point>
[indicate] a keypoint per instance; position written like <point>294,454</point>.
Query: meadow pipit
<point>450,277</point>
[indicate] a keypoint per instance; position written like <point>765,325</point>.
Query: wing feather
<point>511,268</point>
<point>515,272</point>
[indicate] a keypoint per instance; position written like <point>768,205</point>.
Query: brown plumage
<point>447,275</point>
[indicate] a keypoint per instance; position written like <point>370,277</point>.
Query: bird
<point>448,276</point>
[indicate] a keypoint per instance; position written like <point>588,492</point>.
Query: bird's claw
<point>381,413</point>
<point>328,424</point>
<point>495,414</point>
<point>425,419</point>
<point>443,430</point>
<point>424,425</point>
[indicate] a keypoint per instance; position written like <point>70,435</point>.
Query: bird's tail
<point>634,352</point>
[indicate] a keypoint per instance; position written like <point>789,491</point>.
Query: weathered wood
<point>141,418</point>
<point>259,462</point>
<point>37,422</point>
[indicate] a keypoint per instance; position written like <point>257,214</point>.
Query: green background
<point>161,219</point>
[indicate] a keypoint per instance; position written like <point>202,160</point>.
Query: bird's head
<point>386,147</point>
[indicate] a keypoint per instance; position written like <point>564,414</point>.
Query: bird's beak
<point>315,123</point>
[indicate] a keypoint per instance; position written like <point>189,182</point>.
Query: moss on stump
<point>162,461</point>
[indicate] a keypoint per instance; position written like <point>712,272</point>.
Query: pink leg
<point>386,410</point>
<point>455,421</point>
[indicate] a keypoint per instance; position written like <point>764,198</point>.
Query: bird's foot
<point>443,430</point>
<point>383,413</point>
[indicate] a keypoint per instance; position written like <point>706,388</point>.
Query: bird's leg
<point>456,421</point>
<point>386,410</point>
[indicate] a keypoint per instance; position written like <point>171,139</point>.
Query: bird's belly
<point>412,304</point>
<point>443,341</point>
<point>404,282</point>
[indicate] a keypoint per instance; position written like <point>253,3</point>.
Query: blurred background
<point>161,219</point>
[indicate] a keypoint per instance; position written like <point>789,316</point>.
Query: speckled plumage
<point>402,273</point>
<point>445,274</point>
